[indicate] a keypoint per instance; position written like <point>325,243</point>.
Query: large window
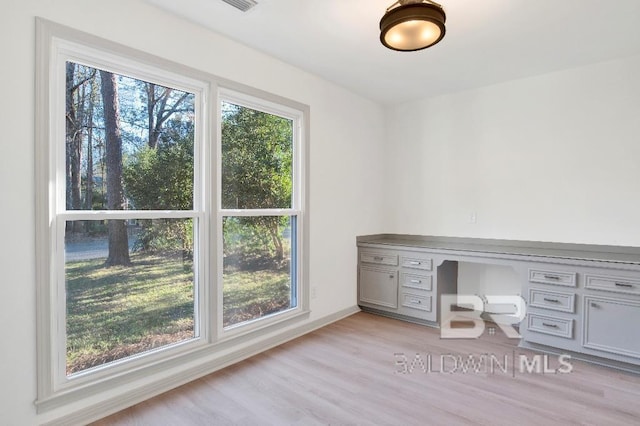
<point>260,208</point>
<point>128,221</point>
<point>160,238</point>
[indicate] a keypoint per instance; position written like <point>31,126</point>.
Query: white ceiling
<point>487,41</point>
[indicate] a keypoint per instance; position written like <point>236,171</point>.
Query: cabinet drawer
<point>420,282</point>
<point>555,301</point>
<point>378,258</point>
<point>567,279</point>
<point>421,302</point>
<point>415,263</point>
<point>549,325</point>
<point>615,284</point>
<point>610,325</point>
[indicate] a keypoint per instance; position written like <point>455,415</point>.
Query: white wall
<point>347,138</point>
<point>547,158</point>
<point>550,158</point>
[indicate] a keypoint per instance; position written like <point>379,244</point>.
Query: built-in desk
<point>581,299</point>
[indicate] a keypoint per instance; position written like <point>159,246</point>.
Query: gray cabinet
<point>611,314</point>
<point>611,325</point>
<point>587,310</point>
<point>378,278</point>
<point>401,282</point>
<point>552,317</point>
<point>379,287</point>
<point>580,299</point>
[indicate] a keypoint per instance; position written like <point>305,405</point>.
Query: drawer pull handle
<point>546,299</point>
<point>413,262</point>
<point>416,281</point>
<point>549,325</point>
<point>625,285</point>
<point>594,305</point>
<point>378,258</point>
<point>416,301</point>
<point>552,277</point>
<point>391,276</point>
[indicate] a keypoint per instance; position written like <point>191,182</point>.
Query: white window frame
<point>263,103</point>
<point>62,51</point>
<point>56,44</point>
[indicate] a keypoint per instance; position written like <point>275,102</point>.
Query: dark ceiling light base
<point>410,25</point>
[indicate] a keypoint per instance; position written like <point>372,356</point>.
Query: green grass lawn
<point>117,312</point>
<point>249,295</point>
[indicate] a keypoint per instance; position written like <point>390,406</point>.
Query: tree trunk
<point>70,119</point>
<point>274,229</point>
<point>118,239</point>
<point>88,191</point>
<point>88,198</point>
<point>151,105</point>
<point>73,148</point>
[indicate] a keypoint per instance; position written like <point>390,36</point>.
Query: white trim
<point>291,112</point>
<point>257,324</point>
<point>128,214</point>
<point>43,204</point>
<point>259,103</point>
<point>192,357</point>
<point>53,53</point>
<point>129,364</point>
<point>84,54</point>
<point>258,212</point>
<point>60,312</point>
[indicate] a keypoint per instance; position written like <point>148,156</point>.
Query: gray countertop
<point>602,253</point>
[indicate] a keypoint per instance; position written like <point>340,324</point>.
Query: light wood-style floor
<point>348,374</point>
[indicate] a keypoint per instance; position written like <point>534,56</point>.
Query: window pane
<point>129,143</point>
<point>259,272</point>
<point>144,302</point>
<point>257,156</point>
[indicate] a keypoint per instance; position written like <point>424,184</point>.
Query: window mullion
<point>259,212</point>
<point>127,214</point>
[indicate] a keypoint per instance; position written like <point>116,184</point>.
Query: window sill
<point>87,413</point>
<point>203,353</point>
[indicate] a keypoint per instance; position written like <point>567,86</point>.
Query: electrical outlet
<point>473,218</point>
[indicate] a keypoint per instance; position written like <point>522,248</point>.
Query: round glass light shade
<point>412,27</point>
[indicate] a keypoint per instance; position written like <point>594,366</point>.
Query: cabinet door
<point>379,287</point>
<point>611,325</point>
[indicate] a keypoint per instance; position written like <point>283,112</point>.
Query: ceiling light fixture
<point>410,25</point>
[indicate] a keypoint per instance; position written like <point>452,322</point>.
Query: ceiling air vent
<point>243,5</point>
